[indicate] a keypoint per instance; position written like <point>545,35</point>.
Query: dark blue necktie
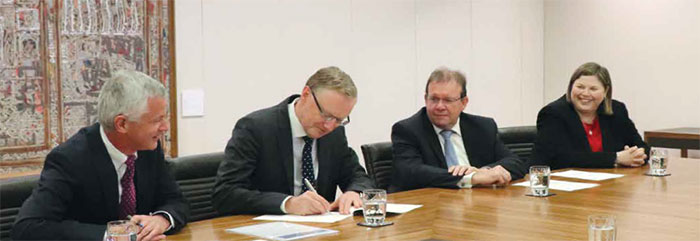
<point>307,164</point>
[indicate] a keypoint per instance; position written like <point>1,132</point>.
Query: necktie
<point>450,154</point>
<point>127,205</point>
<point>307,165</point>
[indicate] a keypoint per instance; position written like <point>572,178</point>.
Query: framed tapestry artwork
<point>56,54</point>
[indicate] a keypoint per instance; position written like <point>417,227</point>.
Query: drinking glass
<point>121,230</point>
<point>601,227</point>
<point>658,162</point>
<point>374,206</point>
<point>539,180</point>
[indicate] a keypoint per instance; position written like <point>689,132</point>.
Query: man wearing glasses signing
<point>273,152</point>
<point>440,146</point>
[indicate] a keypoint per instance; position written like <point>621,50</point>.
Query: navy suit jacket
<point>561,140</point>
<point>257,172</point>
<point>78,192</point>
<point>419,160</point>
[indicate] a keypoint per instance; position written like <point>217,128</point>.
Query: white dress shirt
<point>458,146</point>
<point>298,146</point>
<point>119,161</point>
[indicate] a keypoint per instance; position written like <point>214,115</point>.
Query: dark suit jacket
<point>561,140</point>
<point>78,191</point>
<point>256,174</point>
<point>419,160</point>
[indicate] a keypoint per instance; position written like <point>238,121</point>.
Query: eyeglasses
<point>328,117</point>
<point>435,100</point>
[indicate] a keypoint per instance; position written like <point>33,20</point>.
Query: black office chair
<point>196,175</point>
<point>13,192</point>
<point>379,162</point>
<point>520,140</point>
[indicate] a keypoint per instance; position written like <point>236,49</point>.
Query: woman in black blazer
<point>586,127</point>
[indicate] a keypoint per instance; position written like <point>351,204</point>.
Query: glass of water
<point>658,162</point>
<point>539,180</point>
<point>121,230</point>
<point>601,227</point>
<point>374,206</point>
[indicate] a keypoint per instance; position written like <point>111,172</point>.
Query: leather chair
<point>379,161</point>
<point>196,175</point>
<point>520,140</point>
<point>13,192</point>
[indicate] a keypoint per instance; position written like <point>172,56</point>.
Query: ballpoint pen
<point>309,186</point>
<point>129,217</point>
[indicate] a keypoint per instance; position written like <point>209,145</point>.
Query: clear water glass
<point>658,162</point>
<point>601,227</point>
<point>121,230</point>
<point>539,180</point>
<point>374,206</point>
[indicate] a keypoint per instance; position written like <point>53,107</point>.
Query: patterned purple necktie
<point>127,205</point>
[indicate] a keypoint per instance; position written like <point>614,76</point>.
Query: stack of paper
<point>593,176</point>
<point>281,231</point>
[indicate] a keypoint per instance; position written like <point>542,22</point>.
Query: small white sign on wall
<point>192,102</point>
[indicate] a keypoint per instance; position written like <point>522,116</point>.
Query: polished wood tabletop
<point>646,208</point>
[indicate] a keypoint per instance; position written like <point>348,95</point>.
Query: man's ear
<point>120,123</point>
<point>465,100</point>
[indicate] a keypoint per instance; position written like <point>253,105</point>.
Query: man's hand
<point>307,203</point>
<point>152,227</point>
<point>345,201</point>
<point>461,170</point>
<point>495,175</point>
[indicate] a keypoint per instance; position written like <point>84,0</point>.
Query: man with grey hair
<point>440,146</point>
<point>273,152</point>
<point>111,170</point>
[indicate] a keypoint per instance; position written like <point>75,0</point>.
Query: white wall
<point>251,54</point>
<point>651,48</point>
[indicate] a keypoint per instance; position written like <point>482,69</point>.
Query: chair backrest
<point>13,192</point>
<point>379,162</point>
<point>196,175</point>
<point>519,139</point>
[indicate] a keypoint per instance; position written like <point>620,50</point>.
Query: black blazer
<point>257,172</point>
<point>419,160</point>
<point>561,140</point>
<point>78,191</point>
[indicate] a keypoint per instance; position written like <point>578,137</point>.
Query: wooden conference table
<point>647,208</point>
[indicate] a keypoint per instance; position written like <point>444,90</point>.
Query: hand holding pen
<point>307,203</point>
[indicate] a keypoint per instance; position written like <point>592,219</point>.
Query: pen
<point>129,217</point>
<point>309,186</point>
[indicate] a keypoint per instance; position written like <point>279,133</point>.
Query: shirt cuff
<point>170,218</point>
<point>283,203</point>
<point>466,181</point>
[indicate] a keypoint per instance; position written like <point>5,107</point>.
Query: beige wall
<point>251,54</point>
<point>652,49</point>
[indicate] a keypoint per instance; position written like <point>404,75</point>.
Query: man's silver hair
<point>126,93</point>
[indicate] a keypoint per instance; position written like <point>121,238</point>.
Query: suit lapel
<point>324,164</point>
<point>141,183</point>
<point>469,139</point>
<point>284,143</point>
<point>604,122</point>
<point>432,139</point>
<point>577,127</point>
<point>106,174</point>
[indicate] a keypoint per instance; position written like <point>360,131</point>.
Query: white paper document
<point>394,208</point>
<point>329,217</point>
<point>562,185</point>
<point>593,176</point>
<point>281,231</point>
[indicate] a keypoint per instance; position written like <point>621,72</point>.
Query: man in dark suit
<point>440,146</point>
<point>109,171</point>
<point>272,151</point>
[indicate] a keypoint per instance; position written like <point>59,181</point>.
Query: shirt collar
<point>297,128</point>
<point>455,128</point>
<point>117,156</point>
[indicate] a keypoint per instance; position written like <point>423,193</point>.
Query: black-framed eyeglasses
<point>328,117</point>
